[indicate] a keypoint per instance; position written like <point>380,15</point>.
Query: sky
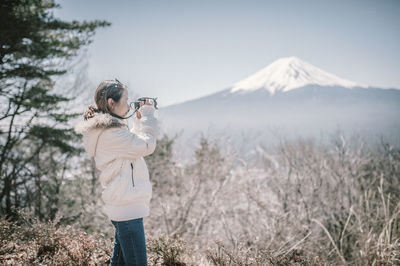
<point>182,50</point>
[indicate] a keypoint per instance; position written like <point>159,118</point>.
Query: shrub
<point>252,256</point>
<point>166,250</point>
<point>26,240</point>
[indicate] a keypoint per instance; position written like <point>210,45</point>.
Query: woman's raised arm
<point>140,141</point>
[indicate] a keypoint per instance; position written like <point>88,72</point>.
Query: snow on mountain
<point>289,73</point>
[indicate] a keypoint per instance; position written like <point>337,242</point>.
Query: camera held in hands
<point>136,104</point>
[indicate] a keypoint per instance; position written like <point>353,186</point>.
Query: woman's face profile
<point>120,108</point>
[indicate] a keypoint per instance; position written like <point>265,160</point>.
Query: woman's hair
<point>107,89</point>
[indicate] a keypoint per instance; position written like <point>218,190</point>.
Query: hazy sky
<point>180,50</point>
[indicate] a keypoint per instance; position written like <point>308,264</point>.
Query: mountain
<point>288,98</point>
<point>289,73</point>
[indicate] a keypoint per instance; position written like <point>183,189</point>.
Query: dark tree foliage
<point>36,143</point>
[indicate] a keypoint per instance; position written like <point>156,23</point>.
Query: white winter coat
<point>119,154</point>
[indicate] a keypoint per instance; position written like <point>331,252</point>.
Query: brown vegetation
<point>302,203</point>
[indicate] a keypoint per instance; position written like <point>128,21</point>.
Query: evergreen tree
<point>36,145</point>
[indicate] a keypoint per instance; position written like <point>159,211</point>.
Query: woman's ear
<point>110,103</point>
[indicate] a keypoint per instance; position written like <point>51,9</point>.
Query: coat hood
<point>91,128</point>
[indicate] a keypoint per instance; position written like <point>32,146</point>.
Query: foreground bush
<point>24,240</point>
<point>250,256</point>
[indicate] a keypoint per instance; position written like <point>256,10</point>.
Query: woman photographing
<point>118,152</point>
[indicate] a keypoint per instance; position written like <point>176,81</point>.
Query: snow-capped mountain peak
<point>289,73</point>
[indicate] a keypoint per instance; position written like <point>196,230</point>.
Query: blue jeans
<point>129,244</point>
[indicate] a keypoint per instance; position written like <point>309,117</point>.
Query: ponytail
<point>90,112</point>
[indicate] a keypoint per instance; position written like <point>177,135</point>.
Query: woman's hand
<point>138,114</point>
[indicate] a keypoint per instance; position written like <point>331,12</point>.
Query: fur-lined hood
<point>91,128</point>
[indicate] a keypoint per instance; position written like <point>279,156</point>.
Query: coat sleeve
<point>138,142</point>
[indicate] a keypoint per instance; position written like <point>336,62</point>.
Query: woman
<point>118,152</point>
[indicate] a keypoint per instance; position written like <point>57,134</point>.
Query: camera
<point>136,104</point>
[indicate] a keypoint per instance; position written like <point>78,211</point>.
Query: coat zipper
<point>133,183</point>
